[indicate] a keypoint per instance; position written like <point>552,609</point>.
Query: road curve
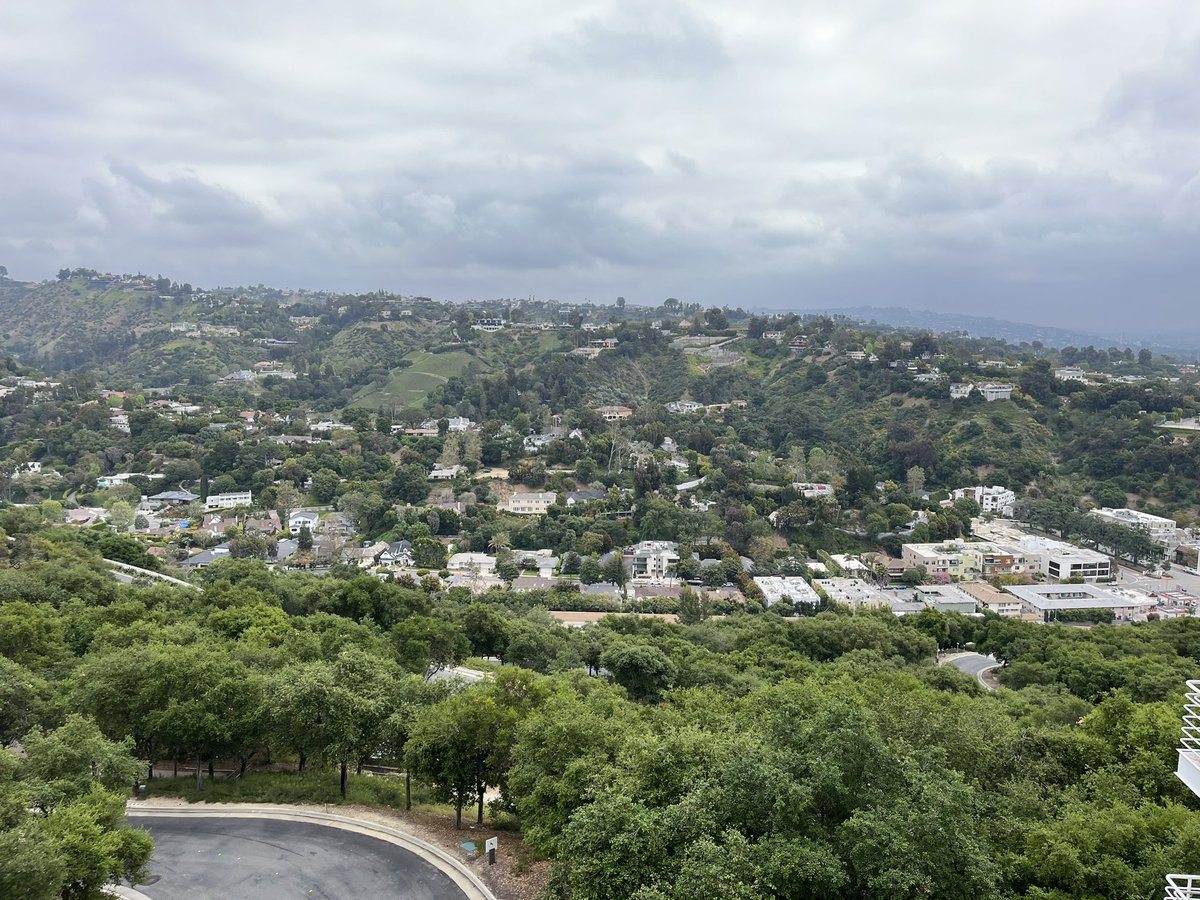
<point>972,664</point>
<point>279,854</point>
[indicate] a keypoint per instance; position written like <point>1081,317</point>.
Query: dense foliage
<point>751,756</point>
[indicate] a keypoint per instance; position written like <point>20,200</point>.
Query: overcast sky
<point>1027,160</point>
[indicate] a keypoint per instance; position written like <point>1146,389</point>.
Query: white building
<point>995,499</point>
<point>1161,530</point>
<point>961,390</point>
<point>858,594</point>
<point>459,423</point>
<point>1049,601</point>
<point>228,501</point>
<point>654,560</point>
<point>300,519</point>
<point>108,481</point>
<point>1076,562</point>
<point>812,489</point>
<point>789,589</point>
<point>534,503</point>
<point>989,390</point>
<point>993,391</point>
<point>479,563</point>
<point>446,473</point>
<point>489,325</point>
<point>1071,373</point>
<point>684,406</point>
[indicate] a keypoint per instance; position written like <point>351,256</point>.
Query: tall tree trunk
<point>458,813</point>
<point>210,769</point>
<point>302,760</point>
<point>407,791</point>
<point>175,767</point>
<point>479,816</point>
<point>150,771</point>
<point>242,767</point>
<point>199,771</point>
<point>343,780</point>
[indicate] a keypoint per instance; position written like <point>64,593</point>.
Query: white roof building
<point>1161,530</point>
<point>1049,600</point>
<point>789,589</point>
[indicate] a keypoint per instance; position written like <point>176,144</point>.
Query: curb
<point>979,676</point>
<point>124,892</point>
<point>466,880</point>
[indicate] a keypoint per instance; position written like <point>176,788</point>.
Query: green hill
<point>409,386</point>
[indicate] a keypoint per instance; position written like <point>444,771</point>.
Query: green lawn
<point>409,386</point>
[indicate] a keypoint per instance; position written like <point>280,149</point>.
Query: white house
<point>446,473</point>
<point>1070,373</point>
<point>228,501</point>
<point>479,563</point>
<point>995,499</point>
<point>108,481</point>
<point>534,503</point>
<point>961,390</point>
<point>300,519</point>
<point>993,391</point>
<point>489,325</point>
<point>459,423</point>
<point>653,559</point>
<point>813,489</point>
<point>684,406</point>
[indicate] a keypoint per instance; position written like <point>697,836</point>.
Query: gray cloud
<point>995,160</point>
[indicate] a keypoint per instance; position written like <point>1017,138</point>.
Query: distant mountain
<point>1186,345</point>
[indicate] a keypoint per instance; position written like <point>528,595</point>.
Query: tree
<point>642,669</point>
<point>304,540</point>
<point>449,744</point>
<point>429,553</point>
<point>693,607</point>
<point>915,480</point>
<point>287,499</point>
<point>78,842</point>
<point>325,485</point>
<point>309,712</point>
<point>120,515</point>
<point>409,484</point>
<point>65,764</point>
<point>426,645</point>
<point>589,570</point>
<point>486,629</point>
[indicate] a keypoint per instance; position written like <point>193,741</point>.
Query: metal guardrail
<point>1183,887</point>
<point>1190,737</point>
<point>1187,887</point>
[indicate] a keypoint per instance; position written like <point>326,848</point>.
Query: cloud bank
<point>1014,160</point>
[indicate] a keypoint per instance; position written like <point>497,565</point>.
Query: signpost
<point>490,845</point>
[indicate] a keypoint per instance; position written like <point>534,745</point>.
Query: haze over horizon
<point>1023,162</point>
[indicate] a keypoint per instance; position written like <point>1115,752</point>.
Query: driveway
<point>268,859</point>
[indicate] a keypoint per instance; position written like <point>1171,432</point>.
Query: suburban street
<point>277,860</point>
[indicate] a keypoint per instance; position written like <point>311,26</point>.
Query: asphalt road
<point>263,859</point>
<point>973,664</point>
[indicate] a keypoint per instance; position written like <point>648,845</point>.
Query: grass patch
<point>292,787</point>
<point>409,386</point>
<point>479,664</point>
